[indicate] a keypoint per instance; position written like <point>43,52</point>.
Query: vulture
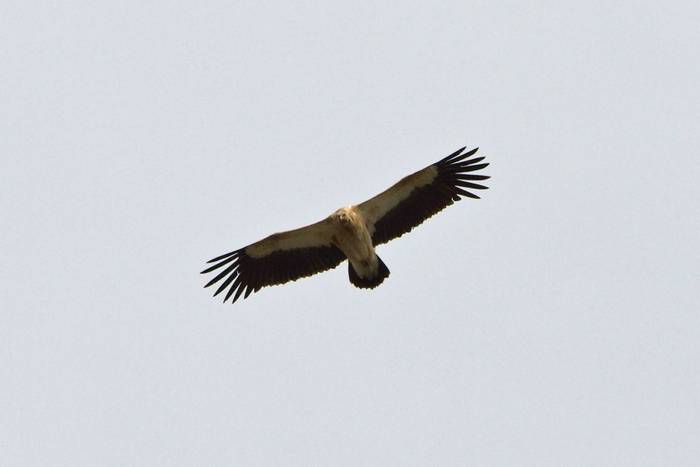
<point>350,233</point>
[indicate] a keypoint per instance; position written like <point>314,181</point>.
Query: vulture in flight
<point>350,233</point>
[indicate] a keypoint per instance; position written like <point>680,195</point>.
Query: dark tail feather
<point>357,281</point>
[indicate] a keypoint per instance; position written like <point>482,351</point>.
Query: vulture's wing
<point>418,196</point>
<point>279,258</point>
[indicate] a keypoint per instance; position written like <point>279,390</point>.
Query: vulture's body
<point>349,233</point>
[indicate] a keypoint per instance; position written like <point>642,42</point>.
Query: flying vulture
<point>350,233</point>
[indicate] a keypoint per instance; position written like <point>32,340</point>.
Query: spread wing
<point>419,196</point>
<point>279,258</point>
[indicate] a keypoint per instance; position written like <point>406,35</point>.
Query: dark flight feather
<point>250,274</point>
<point>427,200</point>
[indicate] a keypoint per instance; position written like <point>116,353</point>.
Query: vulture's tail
<point>369,283</point>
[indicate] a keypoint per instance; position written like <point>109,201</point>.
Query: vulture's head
<point>344,216</point>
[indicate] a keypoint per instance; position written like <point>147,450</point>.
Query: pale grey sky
<point>554,322</point>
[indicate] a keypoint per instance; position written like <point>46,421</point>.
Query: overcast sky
<point>552,323</point>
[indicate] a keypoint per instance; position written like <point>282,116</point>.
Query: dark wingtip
<point>457,152</point>
<point>457,156</point>
<point>213,260</point>
<point>474,168</point>
<point>210,269</point>
<point>471,153</point>
<point>233,288</point>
